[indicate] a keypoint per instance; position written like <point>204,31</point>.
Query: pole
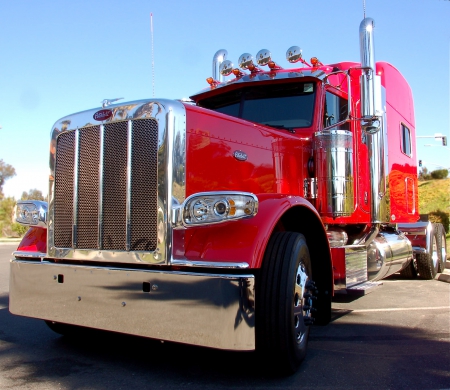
<point>153,56</point>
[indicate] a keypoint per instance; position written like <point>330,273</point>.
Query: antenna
<point>153,56</point>
<point>364,7</point>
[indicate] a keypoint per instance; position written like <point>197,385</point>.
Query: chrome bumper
<point>200,309</point>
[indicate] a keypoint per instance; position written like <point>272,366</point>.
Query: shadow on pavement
<point>341,355</point>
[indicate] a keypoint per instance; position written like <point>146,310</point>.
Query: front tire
<point>63,329</point>
<point>284,299</point>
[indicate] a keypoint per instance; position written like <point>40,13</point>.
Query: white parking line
<point>397,309</point>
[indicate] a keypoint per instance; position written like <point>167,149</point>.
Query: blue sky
<point>60,57</point>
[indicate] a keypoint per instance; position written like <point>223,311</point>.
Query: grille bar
<point>100,185</point>
<point>106,187</point>
<point>128,205</point>
<point>75,189</point>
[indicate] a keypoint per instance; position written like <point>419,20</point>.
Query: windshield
<point>281,105</point>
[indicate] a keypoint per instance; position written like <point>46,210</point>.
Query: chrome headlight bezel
<point>31,213</point>
<point>208,208</point>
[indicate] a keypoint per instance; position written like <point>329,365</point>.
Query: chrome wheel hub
<point>434,254</point>
<point>302,303</point>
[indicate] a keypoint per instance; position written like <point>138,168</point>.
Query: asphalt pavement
<point>397,337</point>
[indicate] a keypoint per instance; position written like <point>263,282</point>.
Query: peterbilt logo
<point>102,115</point>
<point>240,155</point>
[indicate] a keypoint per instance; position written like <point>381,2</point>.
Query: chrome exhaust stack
<point>367,51</point>
<point>218,58</point>
<point>372,122</point>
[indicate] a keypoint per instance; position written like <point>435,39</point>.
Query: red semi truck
<point>230,220</point>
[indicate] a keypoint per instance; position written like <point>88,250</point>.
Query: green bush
<point>439,174</point>
<point>19,229</point>
<point>439,216</point>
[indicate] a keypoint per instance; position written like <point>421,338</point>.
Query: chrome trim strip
<point>75,189</point>
<point>174,262</point>
<point>155,304</point>
<point>100,187</point>
<point>29,254</point>
<point>170,123</point>
<point>208,264</point>
<point>128,196</point>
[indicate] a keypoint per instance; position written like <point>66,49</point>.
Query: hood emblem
<point>240,155</point>
<point>102,115</point>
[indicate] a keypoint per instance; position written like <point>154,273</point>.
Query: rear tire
<point>410,271</point>
<point>428,263</point>
<point>441,247</point>
<point>283,302</point>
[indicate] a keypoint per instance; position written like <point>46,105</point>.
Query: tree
<point>424,175</point>
<point>33,194</point>
<point>439,174</point>
<point>6,172</point>
<point>6,214</point>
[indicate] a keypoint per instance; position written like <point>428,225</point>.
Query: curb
<point>15,241</point>
<point>443,278</point>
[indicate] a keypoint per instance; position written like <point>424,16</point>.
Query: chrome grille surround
<point>117,208</point>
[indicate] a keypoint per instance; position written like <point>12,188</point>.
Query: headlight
<point>31,213</point>
<point>215,207</point>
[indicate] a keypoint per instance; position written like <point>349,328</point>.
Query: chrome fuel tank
<point>333,161</point>
<point>387,254</point>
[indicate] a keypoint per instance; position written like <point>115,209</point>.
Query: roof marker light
<point>213,83</point>
<point>237,72</point>
<point>315,62</point>
<point>274,66</point>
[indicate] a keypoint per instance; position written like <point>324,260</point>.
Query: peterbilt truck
<point>230,220</point>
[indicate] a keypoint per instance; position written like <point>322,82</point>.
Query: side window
<point>335,111</point>
<point>406,140</point>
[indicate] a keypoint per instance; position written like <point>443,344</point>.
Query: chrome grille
<point>115,186</point>
<point>107,187</point>
<point>142,178</point>
<point>88,187</point>
<point>63,204</point>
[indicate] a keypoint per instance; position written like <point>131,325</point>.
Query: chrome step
<point>363,288</point>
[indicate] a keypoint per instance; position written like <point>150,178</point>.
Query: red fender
<point>244,240</point>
